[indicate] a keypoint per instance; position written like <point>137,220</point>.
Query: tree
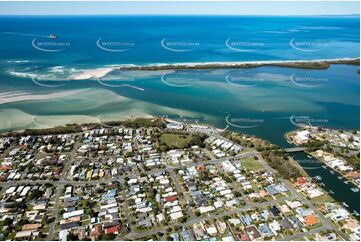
<point>72,237</point>
<point>107,237</point>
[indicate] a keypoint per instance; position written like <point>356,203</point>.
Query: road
<point>121,177</point>
<point>247,207</point>
<point>126,210</point>
<point>171,170</point>
<point>303,234</point>
<point>207,217</point>
<point>328,224</point>
<point>59,188</point>
<point>180,190</point>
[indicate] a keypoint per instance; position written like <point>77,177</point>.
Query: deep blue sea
<point>39,57</point>
<point>265,38</point>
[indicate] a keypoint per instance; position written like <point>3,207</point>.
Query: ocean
<point>40,55</point>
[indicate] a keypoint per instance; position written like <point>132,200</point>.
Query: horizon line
<point>145,14</point>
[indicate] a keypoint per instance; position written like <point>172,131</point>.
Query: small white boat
<point>345,204</point>
<point>332,172</point>
<point>309,156</point>
<point>355,189</point>
<point>52,36</point>
<point>339,177</point>
<point>319,178</point>
<point>356,213</point>
<point>346,182</point>
<point>325,167</point>
<point>331,192</point>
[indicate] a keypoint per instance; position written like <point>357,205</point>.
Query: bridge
<point>296,149</point>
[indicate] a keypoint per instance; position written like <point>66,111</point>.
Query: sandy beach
<point>311,64</point>
<point>89,74</point>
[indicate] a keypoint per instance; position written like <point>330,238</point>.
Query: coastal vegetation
<point>323,139</point>
<point>276,157</point>
<point>322,64</point>
<point>76,128</point>
<point>280,161</point>
<point>178,140</point>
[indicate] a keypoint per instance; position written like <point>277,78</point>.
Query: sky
<point>181,8</point>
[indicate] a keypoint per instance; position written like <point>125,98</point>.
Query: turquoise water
<point>36,89</point>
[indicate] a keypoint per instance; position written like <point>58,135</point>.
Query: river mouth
<point>37,91</point>
<point>262,101</point>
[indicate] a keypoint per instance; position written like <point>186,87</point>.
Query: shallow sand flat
<point>49,121</point>
<point>136,109</point>
<point>26,96</point>
<point>102,110</point>
<point>91,100</point>
<point>15,119</point>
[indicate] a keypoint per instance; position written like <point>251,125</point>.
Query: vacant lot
<point>176,140</point>
<point>322,199</point>
<point>251,164</point>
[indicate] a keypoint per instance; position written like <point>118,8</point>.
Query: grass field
<point>176,140</point>
<point>322,199</point>
<point>251,163</point>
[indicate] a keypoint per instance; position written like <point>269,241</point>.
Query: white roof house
<point>73,213</point>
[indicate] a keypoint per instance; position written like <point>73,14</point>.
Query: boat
<point>339,177</point>
<point>331,192</point>
<point>355,189</point>
<point>309,156</point>
<point>52,36</point>
<point>346,182</point>
<point>332,172</point>
<point>345,204</point>
<point>322,184</point>
<point>318,178</point>
<point>356,213</point>
<point>325,167</point>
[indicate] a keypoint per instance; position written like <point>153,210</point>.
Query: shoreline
<point>91,73</point>
<point>74,125</point>
<point>301,64</point>
<point>288,138</point>
<point>349,180</point>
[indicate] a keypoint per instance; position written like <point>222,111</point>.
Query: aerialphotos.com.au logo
<point>307,81</point>
<point>179,79</point>
<point>50,45</point>
<point>308,46</point>
<point>303,120</point>
<point>243,123</point>
<point>114,46</point>
<point>242,78</point>
<point>179,46</point>
<point>243,46</point>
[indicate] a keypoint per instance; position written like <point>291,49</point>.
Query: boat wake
<point>30,35</point>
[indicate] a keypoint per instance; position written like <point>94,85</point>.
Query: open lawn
<point>251,163</point>
<point>176,140</point>
<point>322,199</point>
